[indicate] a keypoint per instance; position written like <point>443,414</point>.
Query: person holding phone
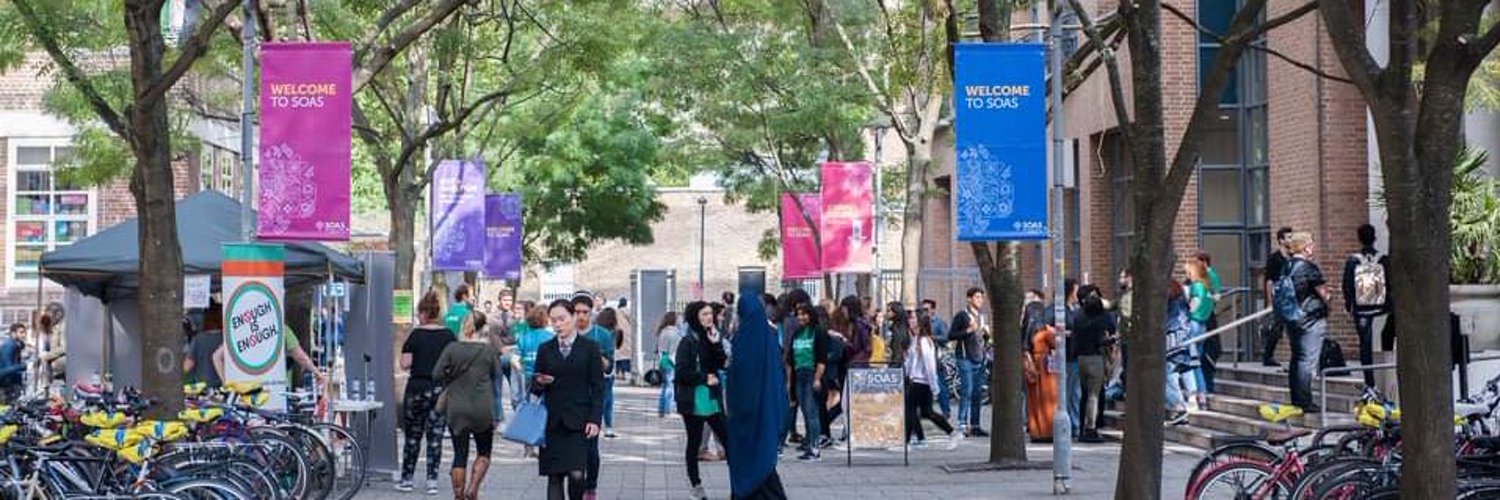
<point>570,375</point>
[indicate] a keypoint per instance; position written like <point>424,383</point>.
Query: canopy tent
<point>106,264</point>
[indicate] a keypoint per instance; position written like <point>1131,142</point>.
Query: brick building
<point>41,211</point>
<point>1288,149</point>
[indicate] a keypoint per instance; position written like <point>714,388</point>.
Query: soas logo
<point>254,320</point>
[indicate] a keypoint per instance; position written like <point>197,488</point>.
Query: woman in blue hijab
<point>757,405</point>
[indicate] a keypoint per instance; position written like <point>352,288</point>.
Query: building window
<point>1121,201</point>
<point>218,168</point>
<point>46,211</point>
<point>1233,185</point>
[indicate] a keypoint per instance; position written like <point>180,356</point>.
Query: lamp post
<point>879,214</point>
<point>247,123</point>
<point>702,229</point>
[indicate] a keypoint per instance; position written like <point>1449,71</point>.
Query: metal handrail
<point>1231,326</point>
<point>1323,379</point>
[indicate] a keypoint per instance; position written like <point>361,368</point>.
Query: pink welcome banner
<point>799,250</point>
<point>848,225</point>
<point>304,143</point>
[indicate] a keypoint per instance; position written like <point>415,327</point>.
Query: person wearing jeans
<point>805,363</point>
<point>1273,328</point>
<point>1306,335</point>
<point>1366,273</point>
<point>967,333</point>
<point>667,337</point>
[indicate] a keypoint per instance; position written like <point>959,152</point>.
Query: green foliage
<point>1474,221</point>
<point>761,91</point>
<point>585,178</point>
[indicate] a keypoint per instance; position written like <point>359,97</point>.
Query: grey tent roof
<point>105,265</point>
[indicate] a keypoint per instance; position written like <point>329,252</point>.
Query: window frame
<point>12,243</point>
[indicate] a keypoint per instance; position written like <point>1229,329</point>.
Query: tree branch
<point>1258,29</point>
<point>1349,43</point>
<point>881,101</point>
<point>1107,54</point>
<point>381,23</point>
<point>444,126</point>
<point>1304,10</point>
<point>191,51</point>
<point>384,53</point>
<point>71,72</point>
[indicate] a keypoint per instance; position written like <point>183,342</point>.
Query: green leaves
<point>1474,221</point>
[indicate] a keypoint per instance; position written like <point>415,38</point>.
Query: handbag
<point>448,376</point>
<point>529,425</point>
<point>703,403</point>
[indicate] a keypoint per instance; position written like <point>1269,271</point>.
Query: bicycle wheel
<point>1331,469</point>
<point>1238,480</point>
<point>350,465</point>
<point>320,464</point>
<point>206,489</point>
<point>283,459</point>
<point>1357,482</point>
<point>1247,451</point>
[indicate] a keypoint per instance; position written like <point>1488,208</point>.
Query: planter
<point>1478,309</point>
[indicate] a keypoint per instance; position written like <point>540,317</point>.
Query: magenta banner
<point>304,141</point>
<point>502,234</point>
<point>848,226</point>
<point>799,250</point>
<point>457,216</point>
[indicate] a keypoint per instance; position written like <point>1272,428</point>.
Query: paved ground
<point>646,462</point>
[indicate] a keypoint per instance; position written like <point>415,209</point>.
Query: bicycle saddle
<point>1280,437</point>
<point>7,432</point>
<point>200,415</point>
<point>253,400</point>
<point>114,439</point>
<point>1277,413</point>
<point>243,388</point>
<point>161,430</point>
<point>194,389</point>
<point>138,452</point>
<point>1470,410</point>
<point>104,419</point>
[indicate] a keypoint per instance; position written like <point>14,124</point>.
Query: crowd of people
<point>793,355</point>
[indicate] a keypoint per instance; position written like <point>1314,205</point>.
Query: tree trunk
<point>919,157</point>
<point>999,272</point>
<point>402,240</point>
<point>1139,475</point>
<point>160,299</point>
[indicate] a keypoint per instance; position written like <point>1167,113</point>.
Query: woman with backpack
<point>1300,299</point>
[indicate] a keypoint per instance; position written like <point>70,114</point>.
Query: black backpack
<point>1332,357</point>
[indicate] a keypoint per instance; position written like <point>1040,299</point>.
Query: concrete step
<point>1351,386</point>
<point>1337,402</point>
<point>1250,409</point>
<point>1187,435</point>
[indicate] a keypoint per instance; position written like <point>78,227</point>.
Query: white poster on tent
<point>254,329</point>
<point>195,291</point>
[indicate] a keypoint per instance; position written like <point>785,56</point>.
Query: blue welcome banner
<point>1001,141</point>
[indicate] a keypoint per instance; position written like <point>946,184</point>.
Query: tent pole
<point>41,376</point>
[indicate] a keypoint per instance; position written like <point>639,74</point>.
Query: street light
<point>702,227</point>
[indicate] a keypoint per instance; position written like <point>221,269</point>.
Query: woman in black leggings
<point>700,355</point>
<point>464,369</point>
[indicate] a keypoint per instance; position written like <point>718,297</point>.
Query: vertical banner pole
<point>247,123</point>
<point>1062,432</point>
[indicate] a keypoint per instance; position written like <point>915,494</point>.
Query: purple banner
<point>304,144</point>
<point>502,234</point>
<point>457,216</point>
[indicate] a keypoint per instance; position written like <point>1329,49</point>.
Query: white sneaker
<point>404,486</point>
<point>697,493</point>
<point>953,441</point>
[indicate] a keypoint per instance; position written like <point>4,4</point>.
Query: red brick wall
<point>1318,170</point>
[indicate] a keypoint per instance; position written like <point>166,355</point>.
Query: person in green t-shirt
<point>805,363</point>
<point>1200,309</point>
<point>292,347</point>
<point>458,310</point>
